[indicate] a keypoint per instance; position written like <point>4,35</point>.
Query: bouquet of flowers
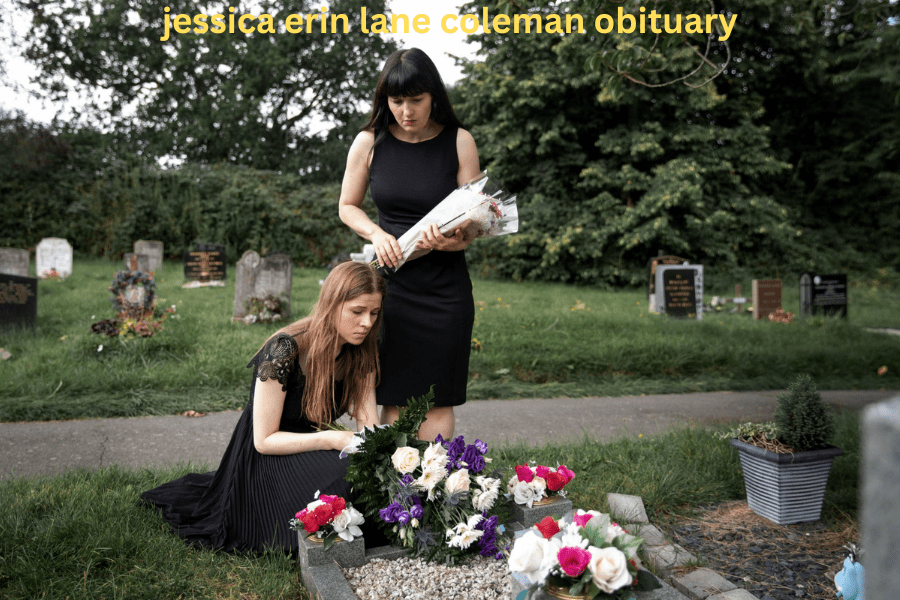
<point>532,484</point>
<point>481,210</point>
<point>435,499</point>
<point>329,518</point>
<point>585,554</point>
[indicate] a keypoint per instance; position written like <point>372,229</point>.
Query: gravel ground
<point>414,579</point>
<point>772,562</point>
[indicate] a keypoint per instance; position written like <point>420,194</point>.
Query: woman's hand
<point>386,249</point>
<point>339,439</point>
<point>433,239</point>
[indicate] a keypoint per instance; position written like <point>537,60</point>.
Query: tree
<point>247,98</point>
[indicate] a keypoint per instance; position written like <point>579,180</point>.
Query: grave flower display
<point>329,518</point>
<point>585,555</point>
<point>537,484</point>
<point>436,499</point>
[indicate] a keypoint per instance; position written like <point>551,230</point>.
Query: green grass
<point>537,340</point>
<point>83,534</point>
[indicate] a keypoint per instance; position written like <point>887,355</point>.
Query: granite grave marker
<point>53,254</point>
<point>679,290</point>
<point>14,261</point>
<point>766,297</point>
<point>259,277</point>
<point>18,300</point>
<point>823,295</point>
<point>153,250</point>
<point>652,264</point>
<point>205,263</point>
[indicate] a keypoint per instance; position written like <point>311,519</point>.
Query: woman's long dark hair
<point>409,73</point>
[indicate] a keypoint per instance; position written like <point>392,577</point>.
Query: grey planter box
<point>346,554</point>
<point>785,488</point>
<point>529,516</point>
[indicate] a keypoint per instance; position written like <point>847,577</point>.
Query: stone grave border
<point>324,580</point>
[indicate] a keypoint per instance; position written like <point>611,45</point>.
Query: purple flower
<point>440,440</point>
<point>416,511</point>
<point>474,459</point>
<point>391,514</point>
<point>404,518</point>
<point>406,480</point>
<point>482,447</point>
<point>456,448</point>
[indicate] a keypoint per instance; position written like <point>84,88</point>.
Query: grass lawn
<point>83,534</point>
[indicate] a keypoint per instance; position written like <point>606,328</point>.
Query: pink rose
<point>524,473</point>
<point>566,472</point>
<point>582,519</point>
<point>573,561</point>
<point>541,471</point>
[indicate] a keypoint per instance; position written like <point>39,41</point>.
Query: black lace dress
<point>247,503</point>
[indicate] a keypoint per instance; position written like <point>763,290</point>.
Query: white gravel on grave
<point>415,579</point>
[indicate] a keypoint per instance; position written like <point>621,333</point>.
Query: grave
<point>206,263</point>
<point>652,264</point>
<point>766,297</point>
<point>137,262</point>
<point>53,254</point>
<point>679,290</point>
<point>879,490</point>
<point>823,295</point>
<point>260,277</point>
<point>153,250</point>
<point>18,300</point>
<point>14,261</point>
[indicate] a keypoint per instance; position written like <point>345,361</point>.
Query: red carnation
<point>338,506</point>
<point>310,524</point>
<point>524,473</point>
<point>323,514</point>
<point>548,527</point>
<point>556,482</point>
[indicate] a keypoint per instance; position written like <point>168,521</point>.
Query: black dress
<point>428,310</point>
<point>248,502</point>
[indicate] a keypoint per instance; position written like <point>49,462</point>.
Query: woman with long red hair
<point>305,376</point>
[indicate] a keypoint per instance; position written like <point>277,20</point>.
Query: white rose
<point>458,482</point>
<point>405,459</point>
<point>511,484</point>
<point>609,569</point>
<point>523,493</point>
<point>529,557</point>
<point>347,524</point>
<point>540,486</point>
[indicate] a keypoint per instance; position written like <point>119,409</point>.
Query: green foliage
<point>802,418</point>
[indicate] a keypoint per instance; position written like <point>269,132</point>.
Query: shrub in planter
<point>802,418</point>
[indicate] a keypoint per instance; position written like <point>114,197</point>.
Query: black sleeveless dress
<point>246,504</point>
<point>428,310</point>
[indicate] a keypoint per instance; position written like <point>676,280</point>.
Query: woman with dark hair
<point>411,154</point>
<point>306,375</point>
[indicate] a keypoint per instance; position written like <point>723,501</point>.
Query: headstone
<point>54,254</point>
<point>880,490</point>
<point>153,250</point>
<point>205,263</point>
<point>137,262</point>
<point>18,300</point>
<point>259,277</point>
<point>766,297</point>
<point>14,261</point>
<point>652,264</point>
<point>823,295</point>
<point>679,290</point>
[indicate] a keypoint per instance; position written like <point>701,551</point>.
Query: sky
<point>436,43</point>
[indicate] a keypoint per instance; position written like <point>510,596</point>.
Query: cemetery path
<point>46,448</point>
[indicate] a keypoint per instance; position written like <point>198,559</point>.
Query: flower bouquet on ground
<point>538,484</point>
<point>435,499</point>
<point>480,208</point>
<point>586,555</point>
<point>328,518</point>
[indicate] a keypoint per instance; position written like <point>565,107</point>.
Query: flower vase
<point>563,593</point>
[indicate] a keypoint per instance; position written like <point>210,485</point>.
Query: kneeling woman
<point>305,375</point>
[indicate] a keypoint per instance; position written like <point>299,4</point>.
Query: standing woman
<point>412,153</point>
<point>305,376</point>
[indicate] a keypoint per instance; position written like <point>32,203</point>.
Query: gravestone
<point>652,264</point>
<point>259,277</point>
<point>18,300</point>
<point>14,261</point>
<point>205,263</point>
<point>53,254</point>
<point>679,290</point>
<point>823,295</point>
<point>153,250</point>
<point>766,297</point>
<point>880,492</point>
<point>137,262</point>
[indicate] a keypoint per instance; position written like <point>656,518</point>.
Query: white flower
<point>435,451</point>
<point>347,524</point>
<point>405,459</point>
<point>531,556</point>
<point>100,347</point>
<point>484,500</point>
<point>571,537</point>
<point>609,569</point>
<point>312,505</point>
<point>540,486</point>
<point>614,531</point>
<point>487,483</point>
<point>435,457</point>
<point>429,479</point>
<point>511,484</point>
<point>458,482</point>
<point>523,493</point>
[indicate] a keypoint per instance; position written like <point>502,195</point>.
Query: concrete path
<point>46,448</point>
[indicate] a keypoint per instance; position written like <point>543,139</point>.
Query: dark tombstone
<point>679,297</point>
<point>651,280</point>
<point>18,300</point>
<point>823,295</point>
<point>805,295</point>
<point>766,297</point>
<point>205,263</point>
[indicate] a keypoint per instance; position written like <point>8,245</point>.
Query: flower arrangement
<point>537,484</point>
<point>128,299</point>
<point>268,309</point>
<point>52,274</point>
<point>585,555</point>
<point>435,499</point>
<point>129,328</point>
<point>329,518</point>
